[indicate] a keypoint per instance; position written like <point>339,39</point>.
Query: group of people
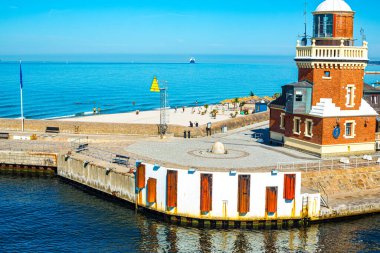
<point>192,124</point>
<point>96,111</point>
<point>176,108</point>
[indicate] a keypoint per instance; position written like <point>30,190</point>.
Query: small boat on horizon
<point>192,60</point>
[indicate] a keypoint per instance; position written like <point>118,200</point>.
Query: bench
<point>82,147</point>
<point>120,159</point>
<point>54,130</point>
<point>4,135</point>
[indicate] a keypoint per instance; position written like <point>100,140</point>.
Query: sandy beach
<point>174,117</point>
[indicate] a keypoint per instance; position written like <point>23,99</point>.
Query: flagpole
<point>21,100</point>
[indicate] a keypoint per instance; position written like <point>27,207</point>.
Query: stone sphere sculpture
<point>218,148</point>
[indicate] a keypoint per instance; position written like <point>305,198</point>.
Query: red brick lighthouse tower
<point>324,113</point>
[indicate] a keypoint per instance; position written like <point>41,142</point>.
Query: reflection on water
<point>44,214</point>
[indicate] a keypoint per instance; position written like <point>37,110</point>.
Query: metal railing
<point>332,52</point>
<point>330,164</point>
<point>324,195</point>
<point>82,146</point>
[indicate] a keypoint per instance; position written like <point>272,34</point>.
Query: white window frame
<point>352,102</point>
<point>282,121</point>
<point>374,99</point>
<point>353,133</point>
<point>307,128</point>
<point>295,119</point>
<point>326,77</point>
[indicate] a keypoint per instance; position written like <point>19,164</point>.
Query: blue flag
<point>20,76</point>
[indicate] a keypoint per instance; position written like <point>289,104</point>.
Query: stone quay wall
<point>358,187</point>
<point>125,128</point>
<point>341,181</point>
<point>28,158</point>
<point>98,176</point>
<point>120,182</point>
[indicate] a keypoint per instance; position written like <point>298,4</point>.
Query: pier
<point>319,193</point>
<point>372,72</point>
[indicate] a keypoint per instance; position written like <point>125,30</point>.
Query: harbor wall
<point>353,191</point>
<point>126,128</point>
<point>115,183</point>
<point>338,181</point>
<point>28,158</point>
<point>126,183</point>
<point>122,184</point>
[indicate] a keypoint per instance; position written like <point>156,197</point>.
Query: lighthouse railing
<point>341,52</point>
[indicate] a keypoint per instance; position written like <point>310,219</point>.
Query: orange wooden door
<point>206,192</point>
<point>271,199</point>
<point>140,176</point>
<point>289,186</point>
<point>152,189</point>
<point>244,186</point>
<point>171,188</point>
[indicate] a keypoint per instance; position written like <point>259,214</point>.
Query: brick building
<point>324,112</point>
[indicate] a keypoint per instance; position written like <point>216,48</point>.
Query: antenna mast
<point>364,37</point>
<point>304,36</point>
<point>305,14</point>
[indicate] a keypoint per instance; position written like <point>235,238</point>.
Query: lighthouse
<point>324,112</point>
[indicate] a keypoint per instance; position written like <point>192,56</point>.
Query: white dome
<point>333,5</point>
<point>218,148</point>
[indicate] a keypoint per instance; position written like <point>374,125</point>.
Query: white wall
<point>225,188</point>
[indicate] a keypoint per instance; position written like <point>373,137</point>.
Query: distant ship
<point>192,60</point>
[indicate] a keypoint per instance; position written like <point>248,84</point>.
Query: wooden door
<point>171,188</point>
<point>271,200</point>
<point>289,186</point>
<point>140,174</point>
<point>206,193</point>
<point>244,193</point>
<point>152,189</point>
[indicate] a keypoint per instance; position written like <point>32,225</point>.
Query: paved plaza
<point>244,146</point>
<point>247,148</point>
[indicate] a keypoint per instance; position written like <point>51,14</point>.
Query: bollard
<point>188,134</point>
<point>184,134</point>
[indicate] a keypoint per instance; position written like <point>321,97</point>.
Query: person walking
<point>208,129</point>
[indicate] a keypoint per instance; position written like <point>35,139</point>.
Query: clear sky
<point>248,27</point>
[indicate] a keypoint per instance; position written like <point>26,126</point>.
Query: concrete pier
<point>120,182</point>
<point>230,181</point>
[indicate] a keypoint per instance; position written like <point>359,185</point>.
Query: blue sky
<point>165,27</point>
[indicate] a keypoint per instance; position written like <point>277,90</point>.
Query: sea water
<point>46,215</point>
<point>57,88</point>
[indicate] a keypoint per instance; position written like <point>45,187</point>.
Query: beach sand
<point>153,117</point>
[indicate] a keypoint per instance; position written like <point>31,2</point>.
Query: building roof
<point>303,84</point>
<point>280,102</point>
<point>333,6</point>
<point>370,89</point>
<point>326,108</point>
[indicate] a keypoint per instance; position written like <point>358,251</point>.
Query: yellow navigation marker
<point>155,87</point>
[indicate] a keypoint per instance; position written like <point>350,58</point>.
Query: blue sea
<point>61,87</point>
<point>44,214</point>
